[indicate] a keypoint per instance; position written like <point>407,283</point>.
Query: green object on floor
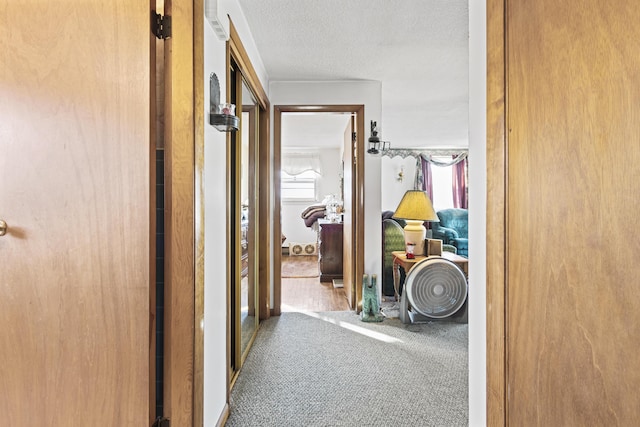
<point>370,306</point>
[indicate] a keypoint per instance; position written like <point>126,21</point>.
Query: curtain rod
<point>417,152</point>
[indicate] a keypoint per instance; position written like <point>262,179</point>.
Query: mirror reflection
<point>248,224</point>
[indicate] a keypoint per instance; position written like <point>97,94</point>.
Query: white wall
<point>215,256</point>
<point>392,188</point>
<point>392,191</point>
<point>293,226</point>
<point>369,94</point>
<point>215,215</point>
<point>477,213</point>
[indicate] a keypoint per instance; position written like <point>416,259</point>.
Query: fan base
<point>408,316</point>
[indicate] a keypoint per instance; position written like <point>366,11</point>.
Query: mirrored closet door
<point>248,206</point>
<point>244,215</point>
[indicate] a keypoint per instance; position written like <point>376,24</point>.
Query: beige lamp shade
<point>415,207</point>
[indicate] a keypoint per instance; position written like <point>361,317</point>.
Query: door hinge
<point>160,25</point>
<point>353,136</point>
<point>161,422</point>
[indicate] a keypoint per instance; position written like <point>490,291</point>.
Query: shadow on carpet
<point>331,369</point>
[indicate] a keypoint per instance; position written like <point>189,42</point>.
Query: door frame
<point>184,310</point>
<point>236,53</point>
<point>358,198</point>
<point>496,214</point>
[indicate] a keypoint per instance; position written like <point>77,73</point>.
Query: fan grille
<point>303,249</point>
<point>436,287</point>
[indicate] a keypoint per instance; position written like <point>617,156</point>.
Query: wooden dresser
<point>330,250</point>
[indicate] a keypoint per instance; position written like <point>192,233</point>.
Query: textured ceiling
<point>417,49</point>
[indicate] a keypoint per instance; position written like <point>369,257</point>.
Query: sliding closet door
<point>573,126</point>
<point>247,205</point>
<point>244,196</point>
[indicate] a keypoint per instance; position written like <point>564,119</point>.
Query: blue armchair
<point>453,229</point>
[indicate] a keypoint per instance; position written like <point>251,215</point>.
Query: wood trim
<point>236,50</point>
<point>153,137</point>
<point>234,219</point>
<point>179,215</point>
<point>199,123</point>
<point>496,215</point>
<point>264,209</point>
<point>229,229</point>
<point>224,416</point>
<point>277,209</point>
<point>242,59</point>
<point>358,217</point>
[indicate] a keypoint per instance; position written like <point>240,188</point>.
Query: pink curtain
<point>460,194</point>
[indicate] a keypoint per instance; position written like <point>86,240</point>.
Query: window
<point>298,187</point>
<point>442,184</point>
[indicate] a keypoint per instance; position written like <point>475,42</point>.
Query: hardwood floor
<point>309,294</point>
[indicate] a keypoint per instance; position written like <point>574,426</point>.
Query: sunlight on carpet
<point>354,328</point>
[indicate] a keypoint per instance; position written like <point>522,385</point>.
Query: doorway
<point>323,246</point>
<point>312,200</point>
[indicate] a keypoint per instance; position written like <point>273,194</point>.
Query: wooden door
<point>347,231</point>
<point>75,168</point>
<point>573,126</point>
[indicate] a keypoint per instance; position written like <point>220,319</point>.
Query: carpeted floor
<point>300,266</point>
<point>331,369</point>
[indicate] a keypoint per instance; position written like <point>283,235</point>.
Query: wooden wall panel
<point>573,327</point>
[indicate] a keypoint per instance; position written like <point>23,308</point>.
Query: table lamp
<point>415,208</point>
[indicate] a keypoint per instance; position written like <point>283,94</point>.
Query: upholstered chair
<point>453,229</point>
<point>392,240</point>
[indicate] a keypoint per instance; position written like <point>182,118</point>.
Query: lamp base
<point>414,232</point>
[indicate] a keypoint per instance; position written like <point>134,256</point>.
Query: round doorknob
<point>3,228</point>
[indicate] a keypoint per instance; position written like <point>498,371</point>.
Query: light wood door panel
<point>573,327</point>
<point>75,167</point>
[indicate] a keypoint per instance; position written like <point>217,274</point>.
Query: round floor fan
<point>435,288</point>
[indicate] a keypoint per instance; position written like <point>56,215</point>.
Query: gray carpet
<point>331,369</point>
